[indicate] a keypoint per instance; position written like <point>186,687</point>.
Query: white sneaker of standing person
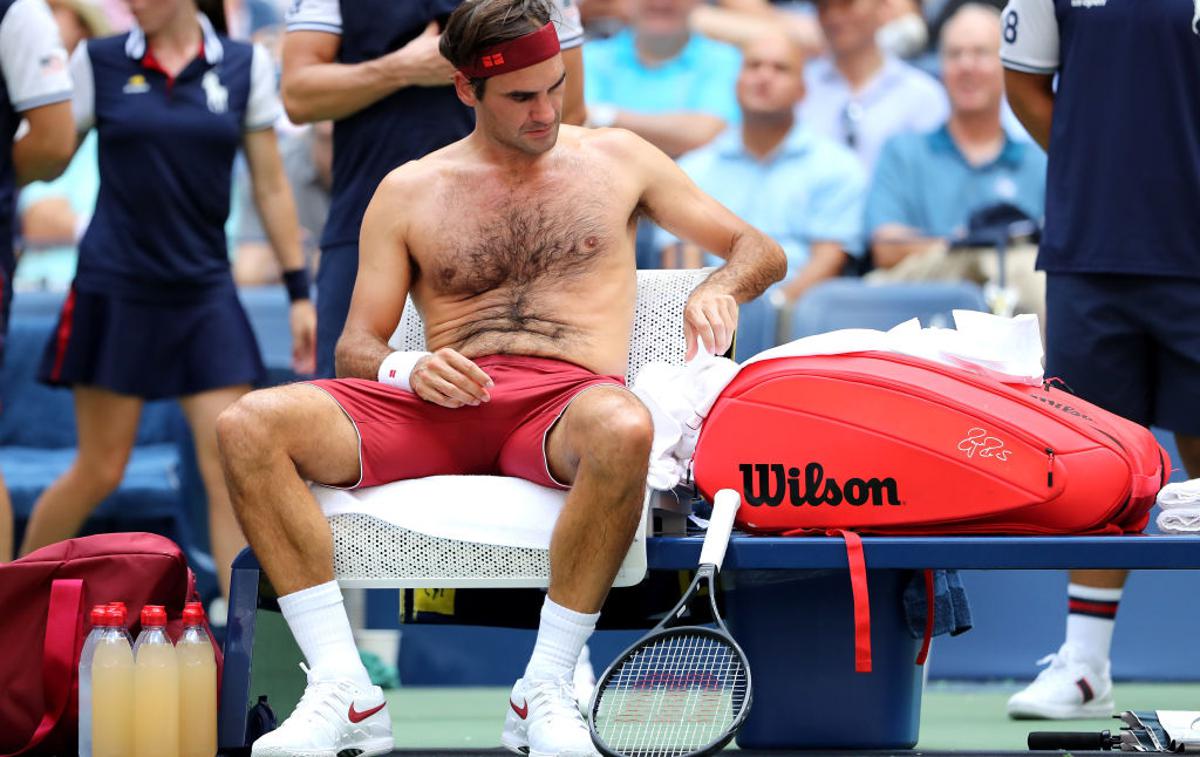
<point>1073,687</point>
<point>543,720</point>
<point>334,717</point>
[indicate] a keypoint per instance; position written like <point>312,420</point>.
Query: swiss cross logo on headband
<point>490,61</point>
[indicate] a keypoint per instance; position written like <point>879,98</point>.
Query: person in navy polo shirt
<point>373,67</point>
<point>153,311</point>
<point>37,141</point>
<point>1121,250</point>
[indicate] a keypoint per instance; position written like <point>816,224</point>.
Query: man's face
<point>971,65</point>
<point>662,18</point>
<point>772,77</point>
<point>522,109</point>
<point>849,25</point>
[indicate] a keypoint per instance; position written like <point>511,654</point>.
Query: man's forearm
<point>332,91</point>
<point>359,354</point>
<point>755,262</point>
<point>673,133</point>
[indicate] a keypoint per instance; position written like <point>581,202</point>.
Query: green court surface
<point>955,717</point>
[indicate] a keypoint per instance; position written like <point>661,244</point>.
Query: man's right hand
<point>420,62</point>
<point>448,379</point>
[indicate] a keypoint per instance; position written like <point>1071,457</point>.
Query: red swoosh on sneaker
<point>357,717</point>
<point>522,712</point>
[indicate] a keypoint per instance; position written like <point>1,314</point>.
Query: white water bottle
<point>99,623</point>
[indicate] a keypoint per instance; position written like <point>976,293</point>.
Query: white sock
<point>319,622</point>
<point>562,635</point>
<point>1091,618</point>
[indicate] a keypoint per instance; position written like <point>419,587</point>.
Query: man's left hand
<point>711,317</point>
<point>303,319</point>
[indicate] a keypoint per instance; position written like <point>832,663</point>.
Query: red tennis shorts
<point>402,436</point>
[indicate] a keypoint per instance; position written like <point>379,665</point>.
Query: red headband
<point>515,54</point>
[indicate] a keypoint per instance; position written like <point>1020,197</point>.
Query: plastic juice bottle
<point>155,688</point>
<point>124,616</point>
<point>99,621</point>
<point>197,686</point>
<point>112,691</point>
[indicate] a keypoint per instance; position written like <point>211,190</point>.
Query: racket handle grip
<point>725,507</point>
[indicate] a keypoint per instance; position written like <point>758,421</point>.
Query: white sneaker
<point>334,717</point>
<point>584,680</point>
<point>544,721</point>
<point>1072,688</point>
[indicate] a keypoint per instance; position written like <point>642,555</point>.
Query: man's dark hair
<point>479,24</point>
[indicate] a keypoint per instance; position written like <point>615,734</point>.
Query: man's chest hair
<point>536,237</point>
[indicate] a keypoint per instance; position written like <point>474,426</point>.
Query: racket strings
<point>675,696</point>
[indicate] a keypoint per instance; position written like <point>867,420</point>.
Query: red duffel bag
<point>885,443</point>
<point>46,596</point>
<point>882,443</point>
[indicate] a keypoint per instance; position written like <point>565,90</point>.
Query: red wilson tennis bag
<point>882,443</point>
<point>890,444</point>
<point>45,597</point>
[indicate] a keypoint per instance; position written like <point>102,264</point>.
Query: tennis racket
<point>681,689</point>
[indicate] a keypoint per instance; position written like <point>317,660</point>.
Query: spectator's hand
<point>303,319</point>
<point>711,317</point>
<point>448,379</point>
<point>423,65</point>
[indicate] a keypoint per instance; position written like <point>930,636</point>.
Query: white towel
<point>1179,520</point>
<point>1181,494</point>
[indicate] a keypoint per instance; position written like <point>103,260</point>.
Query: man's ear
<point>464,90</point>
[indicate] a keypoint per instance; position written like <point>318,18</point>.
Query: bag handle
<point>60,656</point>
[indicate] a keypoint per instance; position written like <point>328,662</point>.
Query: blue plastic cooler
<point>797,630</point>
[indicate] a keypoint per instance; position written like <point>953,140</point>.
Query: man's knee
<point>616,425</point>
<point>244,427</point>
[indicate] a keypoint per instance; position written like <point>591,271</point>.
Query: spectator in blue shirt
<point>860,95</point>
<point>1121,252</point>
<point>802,190</point>
<point>656,78</point>
<point>926,186</point>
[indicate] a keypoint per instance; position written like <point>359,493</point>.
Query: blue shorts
<point>335,284</point>
<point>152,350</point>
<point>1130,344</point>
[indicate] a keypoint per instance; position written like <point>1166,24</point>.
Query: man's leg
<point>601,446</point>
<point>271,441</point>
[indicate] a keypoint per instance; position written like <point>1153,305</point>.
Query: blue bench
<point>790,608</point>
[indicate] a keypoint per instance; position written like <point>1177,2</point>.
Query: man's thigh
<point>1096,344</point>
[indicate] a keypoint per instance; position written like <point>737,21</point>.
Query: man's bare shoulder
<point>421,173</point>
<point>612,143</point>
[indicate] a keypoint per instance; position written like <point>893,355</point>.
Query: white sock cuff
<point>312,598</point>
<point>1093,594</point>
<point>584,620</point>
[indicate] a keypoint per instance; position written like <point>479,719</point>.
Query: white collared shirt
<point>899,98</point>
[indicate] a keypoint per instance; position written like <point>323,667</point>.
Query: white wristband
<point>397,367</point>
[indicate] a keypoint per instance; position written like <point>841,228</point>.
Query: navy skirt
<point>153,350</point>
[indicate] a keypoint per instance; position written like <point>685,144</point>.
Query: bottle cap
<point>115,616</point>
<point>99,616</point>
<point>193,614</point>
<point>154,615</point>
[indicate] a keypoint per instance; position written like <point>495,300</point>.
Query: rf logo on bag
<point>773,482</point>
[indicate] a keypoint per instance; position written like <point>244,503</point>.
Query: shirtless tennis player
<point>516,244</point>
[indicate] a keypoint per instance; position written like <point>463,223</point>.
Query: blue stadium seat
<point>852,303</point>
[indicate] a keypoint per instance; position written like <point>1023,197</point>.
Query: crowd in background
<point>797,141</point>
